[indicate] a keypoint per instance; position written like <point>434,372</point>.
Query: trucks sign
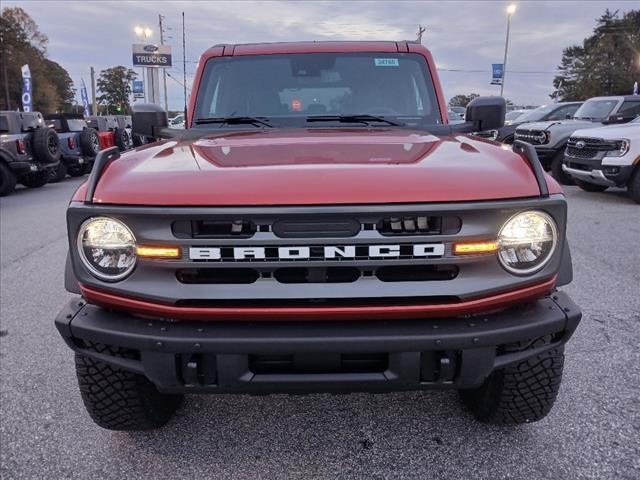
<point>149,55</point>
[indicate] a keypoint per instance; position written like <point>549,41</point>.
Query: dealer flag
<point>635,88</point>
<point>85,98</point>
<point>26,88</point>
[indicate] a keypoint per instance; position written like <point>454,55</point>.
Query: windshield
<point>596,109</point>
<point>289,88</point>
<point>513,115</point>
<point>537,114</point>
<point>76,125</point>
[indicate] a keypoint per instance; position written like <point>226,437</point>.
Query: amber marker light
<point>158,252</point>
<point>470,248</point>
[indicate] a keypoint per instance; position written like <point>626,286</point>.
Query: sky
<point>465,37</point>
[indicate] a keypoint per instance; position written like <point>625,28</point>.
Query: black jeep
<point>28,150</point>
<point>79,144</point>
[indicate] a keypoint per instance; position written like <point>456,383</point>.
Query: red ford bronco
<point>319,226</point>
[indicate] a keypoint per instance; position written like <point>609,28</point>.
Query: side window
<point>4,125</point>
<point>629,109</point>
<point>572,109</point>
<point>562,112</point>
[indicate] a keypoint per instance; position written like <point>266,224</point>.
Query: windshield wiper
<point>359,118</point>
<point>234,121</point>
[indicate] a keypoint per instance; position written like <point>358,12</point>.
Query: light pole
<point>511,9</point>
<point>143,34</point>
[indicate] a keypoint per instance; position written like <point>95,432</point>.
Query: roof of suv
<point>309,47</point>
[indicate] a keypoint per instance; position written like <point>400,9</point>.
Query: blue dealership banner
<point>26,89</point>
<point>85,98</point>
<point>138,89</point>
<point>498,73</point>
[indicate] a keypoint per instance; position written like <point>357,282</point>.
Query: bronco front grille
<point>317,255</point>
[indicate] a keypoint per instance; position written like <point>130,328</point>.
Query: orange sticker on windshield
<point>296,105</point>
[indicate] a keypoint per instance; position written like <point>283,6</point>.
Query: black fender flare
<point>565,273</point>
<point>70,280</point>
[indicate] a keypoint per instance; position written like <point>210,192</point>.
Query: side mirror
<point>611,119</point>
<point>148,119</point>
<point>487,113</point>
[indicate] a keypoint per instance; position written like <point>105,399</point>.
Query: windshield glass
<point>76,125</point>
<point>596,109</point>
<point>289,88</point>
<point>513,115</point>
<point>537,114</point>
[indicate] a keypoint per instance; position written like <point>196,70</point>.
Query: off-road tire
<point>7,180</point>
<point>120,400</point>
<point>556,169</point>
<point>590,187</point>
<point>121,139</point>
<point>89,142</point>
<point>58,174</point>
<point>35,179</point>
<point>633,187</point>
<point>138,140</point>
<point>520,393</point>
<point>46,145</point>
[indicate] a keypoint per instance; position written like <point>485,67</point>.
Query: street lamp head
<point>147,32</point>
<point>138,29</point>
<point>511,9</point>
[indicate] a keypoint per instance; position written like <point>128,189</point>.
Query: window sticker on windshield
<point>386,62</point>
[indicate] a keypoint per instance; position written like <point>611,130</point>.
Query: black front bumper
<point>331,356</point>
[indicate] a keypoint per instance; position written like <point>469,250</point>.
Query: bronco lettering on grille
<point>324,252</point>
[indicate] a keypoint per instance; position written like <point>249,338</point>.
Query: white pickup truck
<point>599,158</point>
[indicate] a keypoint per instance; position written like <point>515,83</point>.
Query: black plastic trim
<point>530,153</point>
<point>101,162</point>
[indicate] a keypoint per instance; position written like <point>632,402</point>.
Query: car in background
<point>28,150</point>
<point>111,130</point>
<point>79,145</point>
<point>177,121</point>
<point>555,111</point>
<point>599,158</point>
<point>550,137</point>
<point>511,116</point>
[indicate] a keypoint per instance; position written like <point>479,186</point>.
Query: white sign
<point>150,55</point>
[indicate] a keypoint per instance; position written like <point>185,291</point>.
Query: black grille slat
<point>419,225</point>
<point>317,228</point>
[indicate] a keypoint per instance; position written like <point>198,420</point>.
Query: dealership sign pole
<point>26,89</point>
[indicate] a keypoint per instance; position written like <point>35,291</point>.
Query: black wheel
<point>58,174</point>
<point>122,140</point>
<point>120,400</point>
<point>520,393</point>
<point>590,187</point>
<point>138,140</point>
<point>7,180</point>
<point>633,187</point>
<point>556,169</point>
<point>89,142</point>
<point>35,179</point>
<point>46,145</point>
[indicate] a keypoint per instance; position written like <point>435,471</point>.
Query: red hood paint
<point>316,166</point>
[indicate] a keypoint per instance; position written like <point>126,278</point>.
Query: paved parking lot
<point>593,432</point>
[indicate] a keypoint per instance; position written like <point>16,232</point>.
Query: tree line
<point>606,63</point>
<point>21,42</point>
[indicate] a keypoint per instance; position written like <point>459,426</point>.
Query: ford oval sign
<point>150,48</point>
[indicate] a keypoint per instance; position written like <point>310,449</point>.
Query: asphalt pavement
<point>593,431</point>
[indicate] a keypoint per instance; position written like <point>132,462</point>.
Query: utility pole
<point>511,9</point>
<point>94,107</point>
<point>164,71</point>
<point>421,31</point>
<point>184,71</point>
<point>4,73</point>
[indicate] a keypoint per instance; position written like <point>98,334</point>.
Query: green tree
<point>22,42</point>
<point>114,85</point>
<point>462,100</point>
<point>606,63</point>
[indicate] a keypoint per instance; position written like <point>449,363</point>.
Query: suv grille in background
<point>584,147</point>
<point>534,137</point>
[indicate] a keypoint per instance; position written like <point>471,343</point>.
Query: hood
<point>556,124</point>
<point>625,130</point>
<point>315,166</point>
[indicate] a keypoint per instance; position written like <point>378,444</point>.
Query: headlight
<point>526,242</point>
<point>622,148</point>
<point>107,248</point>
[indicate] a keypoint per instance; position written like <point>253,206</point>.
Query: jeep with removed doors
<point>550,137</point>
<point>79,144</point>
<point>599,158</point>
<point>28,150</point>
<point>111,131</point>
<point>313,230</point>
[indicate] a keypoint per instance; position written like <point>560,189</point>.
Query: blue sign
<point>498,73</point>
<point>85,99</point>
<point>138,86</point>
<point>26,88</point>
